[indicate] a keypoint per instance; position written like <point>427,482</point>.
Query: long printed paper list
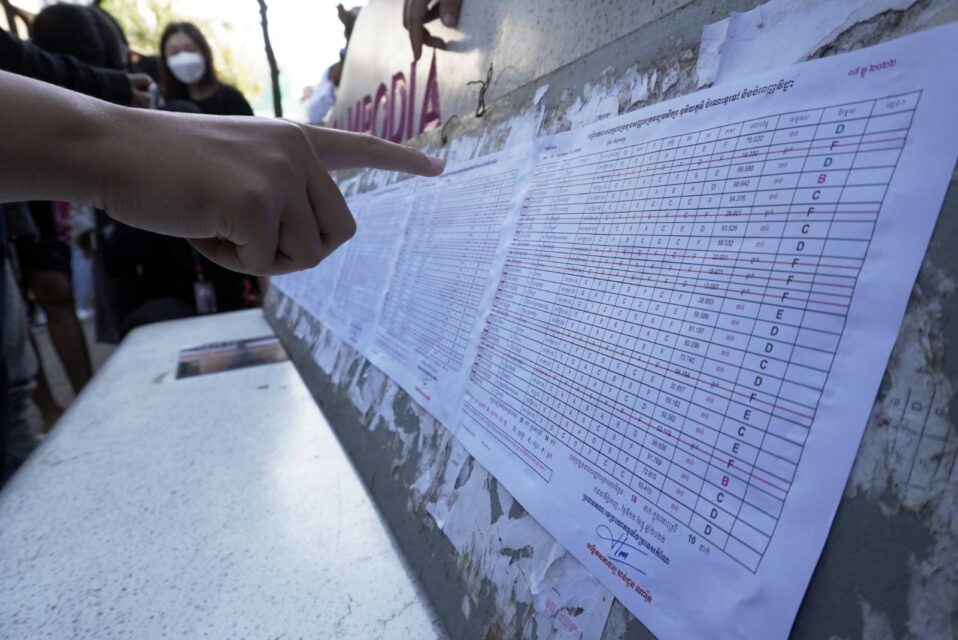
<point>670,310</point>
<point>448,257</point>
<point>673,356</point>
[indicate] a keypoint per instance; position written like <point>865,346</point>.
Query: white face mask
<point>187,66</point>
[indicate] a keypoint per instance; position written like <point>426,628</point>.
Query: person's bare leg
<point>50,410</point>
<point>53,291</point>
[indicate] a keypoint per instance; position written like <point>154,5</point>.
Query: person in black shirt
<point>187,73</point>
<point>26,59</point>
<point>84,33</point>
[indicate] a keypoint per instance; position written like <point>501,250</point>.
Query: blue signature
<point>620,549</point>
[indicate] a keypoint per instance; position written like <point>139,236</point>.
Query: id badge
<point>205,296</point>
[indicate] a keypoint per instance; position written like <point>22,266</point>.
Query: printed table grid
<point>444,262</point>
<point>670,310</point>
<point>369,257</point>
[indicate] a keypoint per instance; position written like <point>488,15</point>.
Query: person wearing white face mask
<point>187,73</point>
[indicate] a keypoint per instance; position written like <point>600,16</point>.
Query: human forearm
<point>45,136</point>
<point>252,194</point>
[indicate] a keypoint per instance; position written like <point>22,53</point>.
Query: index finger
<point>345,150</point>
<point>414,19</point>
<point>140,80</point>
<point>449,12</point>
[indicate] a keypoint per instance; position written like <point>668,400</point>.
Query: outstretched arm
<point>252,194</point>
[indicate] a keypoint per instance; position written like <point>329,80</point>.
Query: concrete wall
<point>538,38</point>
<point>890,567</point>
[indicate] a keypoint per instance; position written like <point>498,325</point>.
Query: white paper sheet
<point>369,261</point>
<point>450,256</point>
<point>665,342</point>
<point>778,33</point>
<point>289,284</point>
<point>313,289</point>
<point>695,320</point>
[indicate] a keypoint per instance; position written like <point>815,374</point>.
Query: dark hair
<point>72,30</point>
<point>118,47</point>
<point>172,88</point>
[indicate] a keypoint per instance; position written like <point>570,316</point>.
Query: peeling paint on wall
<point>779,33</point>
<point>512,568</point>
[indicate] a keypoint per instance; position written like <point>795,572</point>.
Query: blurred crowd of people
<point>139,277</point>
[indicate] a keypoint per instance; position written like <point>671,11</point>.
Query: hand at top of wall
<point>416,13</point>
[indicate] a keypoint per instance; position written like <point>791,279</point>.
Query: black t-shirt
<point>230,286</point>
<point>28,60</point>
<point>225,101</point>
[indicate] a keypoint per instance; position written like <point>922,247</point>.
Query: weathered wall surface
<point>890,567</point>
<point>537,39</point>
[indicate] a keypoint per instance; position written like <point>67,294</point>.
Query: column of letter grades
<point>669,311</point>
